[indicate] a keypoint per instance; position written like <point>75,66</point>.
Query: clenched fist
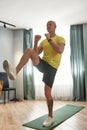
<point>37,38</point>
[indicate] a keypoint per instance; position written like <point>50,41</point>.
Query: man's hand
<point>37,38</point>
<point>47,36</point>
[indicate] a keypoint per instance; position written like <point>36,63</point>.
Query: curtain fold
<point>77,62</point>
<point>28,78</point>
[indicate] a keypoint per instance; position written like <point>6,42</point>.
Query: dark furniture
<point>4,78</point>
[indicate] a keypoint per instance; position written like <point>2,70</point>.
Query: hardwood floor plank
<point>14,114</point>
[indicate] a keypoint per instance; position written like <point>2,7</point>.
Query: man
<point>52,48</point>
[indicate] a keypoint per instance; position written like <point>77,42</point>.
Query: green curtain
<point>28,78</point>
<point>77,62</point>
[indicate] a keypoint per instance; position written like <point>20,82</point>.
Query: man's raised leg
<point>28,54</point>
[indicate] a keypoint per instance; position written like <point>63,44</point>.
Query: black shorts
<point>48,72</point>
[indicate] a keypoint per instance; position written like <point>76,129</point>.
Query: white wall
<point>18,51</point>
<point>6,47</point>
<point>6,50</point>
<point>11,48</point>
<point>85,53</point>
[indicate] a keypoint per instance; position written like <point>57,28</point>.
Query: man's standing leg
<point>49,99</point>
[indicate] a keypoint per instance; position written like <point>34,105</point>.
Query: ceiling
<point>35,13</point>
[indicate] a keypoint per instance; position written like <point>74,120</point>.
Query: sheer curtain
<point>77,62</point>
<point>63,84</point>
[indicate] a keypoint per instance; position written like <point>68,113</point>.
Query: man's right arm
<point>37,49</point>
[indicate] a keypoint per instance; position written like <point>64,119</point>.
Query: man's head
<point>51,26</point>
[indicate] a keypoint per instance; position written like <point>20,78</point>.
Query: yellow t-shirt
<point>49,54</point>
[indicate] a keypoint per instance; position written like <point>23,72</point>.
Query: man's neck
<point>52,34</point>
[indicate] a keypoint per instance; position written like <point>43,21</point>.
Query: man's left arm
<point>59,48</point>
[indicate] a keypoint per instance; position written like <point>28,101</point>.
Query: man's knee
<point>28,51</point>
<point>32,55</point>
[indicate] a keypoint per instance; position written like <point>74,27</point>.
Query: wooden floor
<point>14,114</point>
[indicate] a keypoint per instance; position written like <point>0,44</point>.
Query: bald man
<point>52,48</point>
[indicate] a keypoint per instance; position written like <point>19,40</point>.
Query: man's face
<point>51,26</point>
